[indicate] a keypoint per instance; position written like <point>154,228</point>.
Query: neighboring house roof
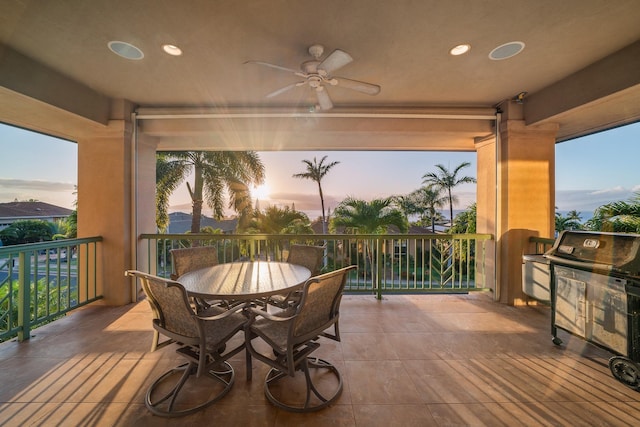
<point>317,226</point>
<point>31,210</point>
<point>180,223</point>
<point>414,229</point>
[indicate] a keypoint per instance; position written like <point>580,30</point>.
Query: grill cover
<point>598,251</point>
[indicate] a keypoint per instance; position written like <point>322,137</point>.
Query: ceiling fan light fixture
<point>125,50</point>
<point>460,49</point>
<point>506,51</point>
<point>172,49</point>
<point>316,50</point>
<point>318,75</point>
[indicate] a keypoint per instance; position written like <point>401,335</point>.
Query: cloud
<point>589,200</point>
<point>183,207</point>
<point>7,185</point>
<point>56,193</point>
<point>303,201</point>
<point>610,191</point>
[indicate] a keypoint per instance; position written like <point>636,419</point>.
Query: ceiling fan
<point>318,74</point>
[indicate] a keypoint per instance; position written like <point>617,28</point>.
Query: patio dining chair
<point>293,336</point>
<point>185,260</point>
<point>202,340</point>
<point>189,259</point>
<point>306,256</point>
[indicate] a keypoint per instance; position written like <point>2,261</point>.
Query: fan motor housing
<point>310,67</point>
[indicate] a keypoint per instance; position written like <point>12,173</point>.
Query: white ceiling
<point>566,67</point>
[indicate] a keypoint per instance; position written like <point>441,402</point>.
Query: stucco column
<point>145,202</point>
<point>104,204</point>
<point>522,199</point>
<point>526,199</point>
<point>486,208</point>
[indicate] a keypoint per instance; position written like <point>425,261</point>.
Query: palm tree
<point>315,172</point>
<point>275,220</point>
<point>423,202</point>
<point>465,221</point>
<point>375,217</point>
<point>447,181</point>
<point>575,215</point>
<point>619,216</point>
<point>569,222</point>
<point>169,175</point>
<point>372,217</point>
<point>214,173</point>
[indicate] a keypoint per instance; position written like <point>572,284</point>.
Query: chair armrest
<point>224,312</point>
<point>254,312</point>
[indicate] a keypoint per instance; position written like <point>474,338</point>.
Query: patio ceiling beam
<point>365,129</point>
<point>23,75</point>
<point>602,95</point>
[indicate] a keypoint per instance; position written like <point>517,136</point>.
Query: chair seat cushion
<point>216,331</point>
<point>276,332</point>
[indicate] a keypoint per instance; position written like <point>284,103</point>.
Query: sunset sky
<point>590,171</point>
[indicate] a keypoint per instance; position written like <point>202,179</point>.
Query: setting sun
<point>261,192</point>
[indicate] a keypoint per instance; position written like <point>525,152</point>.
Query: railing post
<point>378,270</point>
<point>24,296</point>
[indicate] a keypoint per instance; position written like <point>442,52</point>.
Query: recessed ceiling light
<point>506,50</point>
<point>460,49</point>
<point>172,50</point>
<point>125,50</point>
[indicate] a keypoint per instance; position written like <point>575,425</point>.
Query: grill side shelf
<point>587,266</point>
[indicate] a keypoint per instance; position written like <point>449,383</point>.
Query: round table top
<point>244,280</point>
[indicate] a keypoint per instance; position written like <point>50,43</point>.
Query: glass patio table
<point>244,281</point>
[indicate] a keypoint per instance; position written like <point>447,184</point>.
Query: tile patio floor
<point>408,360</point>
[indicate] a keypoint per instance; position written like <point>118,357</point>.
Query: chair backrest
<point>189,259</point>
<point>320,304</point>
<point>170,302</point>
<point>307,256</point>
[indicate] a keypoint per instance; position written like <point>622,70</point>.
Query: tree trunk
<point>196,200</point>
<point>324,218</point>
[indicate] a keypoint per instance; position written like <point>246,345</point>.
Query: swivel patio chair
<point>202,339</point>
<point>293,338</point>
<point>184,260</point>
<point>306,256</point>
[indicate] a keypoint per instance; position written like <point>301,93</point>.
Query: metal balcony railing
<point>540,245</point>
<point>386,263</point>
<point>40,282</point>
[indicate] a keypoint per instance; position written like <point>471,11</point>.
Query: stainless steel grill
<point>595,294</point>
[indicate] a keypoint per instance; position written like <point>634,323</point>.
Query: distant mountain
<point>180,223</point>
<point>589,200</point>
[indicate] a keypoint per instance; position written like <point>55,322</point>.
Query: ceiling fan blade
<point>368,88</point>
<point>277,67</point>
<point>323,99</point>
<point>284,89</point>
<point>337,59</point>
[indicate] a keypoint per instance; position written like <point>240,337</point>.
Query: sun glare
<point>261,192</point>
